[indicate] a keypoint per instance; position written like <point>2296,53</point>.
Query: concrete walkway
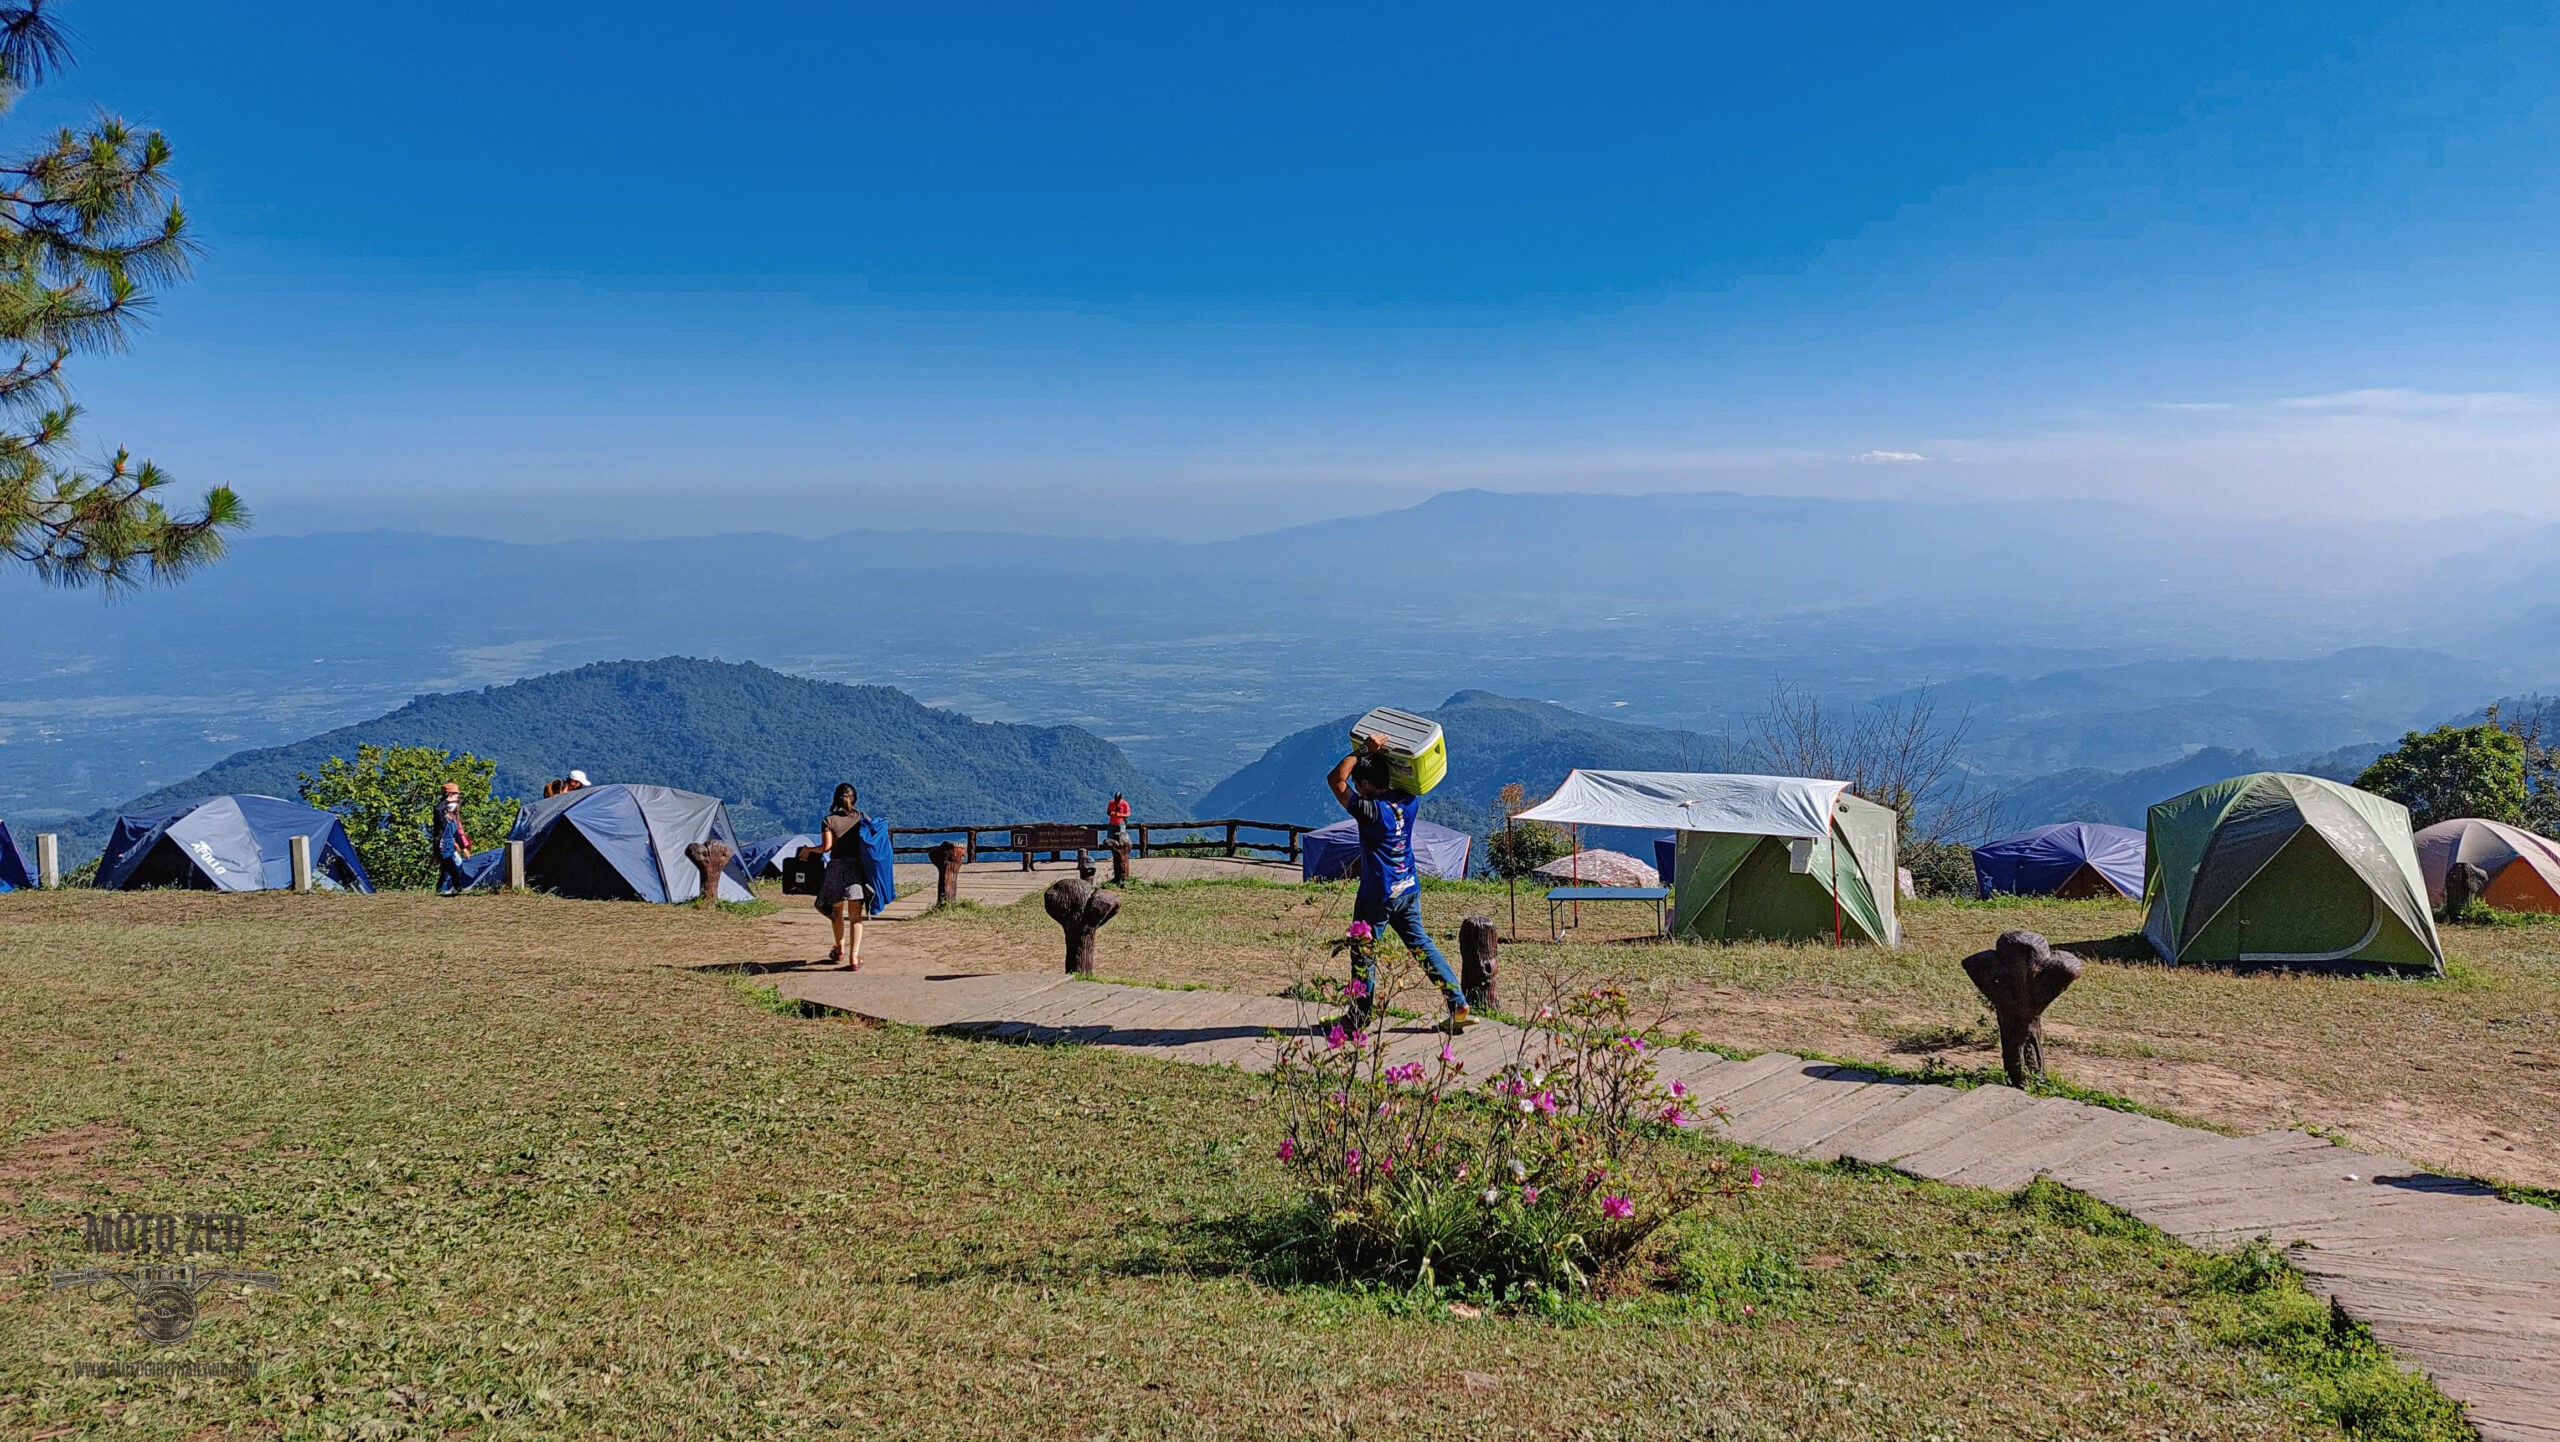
<point>2448,1276</point>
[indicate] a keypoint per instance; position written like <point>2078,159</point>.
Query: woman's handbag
<point>802,875</point>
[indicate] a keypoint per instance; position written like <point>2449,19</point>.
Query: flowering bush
<point>1546,1177</point>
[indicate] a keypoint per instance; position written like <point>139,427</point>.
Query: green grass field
<point>527,1172</point>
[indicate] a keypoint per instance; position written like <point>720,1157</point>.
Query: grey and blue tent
<point>14,875</point>
<point>622,843</point>
<point>1332,853</point>
<point>764,858</point>
<point>2073,859</point>
<point>228,843</point>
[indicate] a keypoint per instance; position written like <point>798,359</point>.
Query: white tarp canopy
<point>1693,801</point>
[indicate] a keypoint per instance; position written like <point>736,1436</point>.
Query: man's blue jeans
<point>1403,916</point>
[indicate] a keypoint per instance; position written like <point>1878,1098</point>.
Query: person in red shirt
<point>1117,813</point>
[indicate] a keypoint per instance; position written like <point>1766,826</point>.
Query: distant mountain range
<point>772,746</point>
<point>2081,636</point>
<point>1496,740</point>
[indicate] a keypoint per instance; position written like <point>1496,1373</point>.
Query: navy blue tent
<point>14,875</point>
<point>764,858</point>
<point>621,843</point>
<point>1332,853</point>
<point>1666,850</point>
<point>2069,858</point>
<point>228,843</point>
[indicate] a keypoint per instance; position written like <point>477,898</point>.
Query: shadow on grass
<point>2132,948</point>
<point>2125,947</point>
<point>1211,1247</point>
<point>1932,1039</point>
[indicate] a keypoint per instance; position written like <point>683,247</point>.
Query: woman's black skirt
<point>843,879</point>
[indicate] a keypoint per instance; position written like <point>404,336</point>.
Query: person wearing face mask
<point>452,843</point>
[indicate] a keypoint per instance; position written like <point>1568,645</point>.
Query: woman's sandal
<point>834,955</point>
<point>854,965</point>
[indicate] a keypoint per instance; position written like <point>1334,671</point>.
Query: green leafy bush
<point>1940,868</point>
<point>2453,771</point>
<point>1536,1184</point>
<point>384,796</point>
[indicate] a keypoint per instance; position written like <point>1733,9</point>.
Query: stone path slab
<point>2448,1276</point>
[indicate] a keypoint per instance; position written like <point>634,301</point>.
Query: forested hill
<point>773,746</point>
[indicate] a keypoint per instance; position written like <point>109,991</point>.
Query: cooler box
<point>1417,756</point>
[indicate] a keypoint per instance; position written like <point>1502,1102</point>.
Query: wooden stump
<point>1080,911</point>
<point>1120,858</point>
<point>711,858</point>
<point>1479,945</point>
<point>2020,976</point>
<point>1084,864</point>
<point>947,857</point>
<point>2464,881</point>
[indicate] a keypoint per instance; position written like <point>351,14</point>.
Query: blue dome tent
<point>2068,859</point>
<point>764,858</point>
<point>228,843</point>
<point>1332,853</point>
<point>14,873</point>
<point>620,843</point>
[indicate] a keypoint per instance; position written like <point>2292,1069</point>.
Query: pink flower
<point>1632,1043</point>
<point>1361,931</point>
<point>1617,1208</point>
<point>1408,1072</point>
<point>1673,1115</point>
<point>1288,1148</point>
<point>1351,1160</point>
<point>1359,1038</point>
<point>1355,988</point>
<point>1546,1013</point>
<point>1386,1165</point>
<point>1334,1038</point>
<point>1447,1055</point>
<point>1679,1088</point>
<point>1546,1104</point>
<point>1528,1196</point>
<point>1755,1176</point>
<point>1386,1109</point>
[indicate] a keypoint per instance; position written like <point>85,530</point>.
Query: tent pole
<point>1577,871</point>
<point>1835,876</point>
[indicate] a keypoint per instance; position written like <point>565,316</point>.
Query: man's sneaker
<point>1356,1016</point>
<point>1459,1020</point>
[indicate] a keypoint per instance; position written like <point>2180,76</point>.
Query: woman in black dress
<point>842,894</point>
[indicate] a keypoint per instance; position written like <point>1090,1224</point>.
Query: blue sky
<point>1203,268</point>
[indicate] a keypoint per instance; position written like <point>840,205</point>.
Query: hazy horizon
<point>1148,271</point>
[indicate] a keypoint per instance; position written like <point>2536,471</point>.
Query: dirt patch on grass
<point>72,1164</point>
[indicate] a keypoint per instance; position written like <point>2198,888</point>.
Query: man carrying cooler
<point>1390,896</point>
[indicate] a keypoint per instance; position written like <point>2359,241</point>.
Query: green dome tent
<point>1778,858</point>
<point>2279,868</point>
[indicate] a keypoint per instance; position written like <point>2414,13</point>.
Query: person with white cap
<point>577,781</point>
